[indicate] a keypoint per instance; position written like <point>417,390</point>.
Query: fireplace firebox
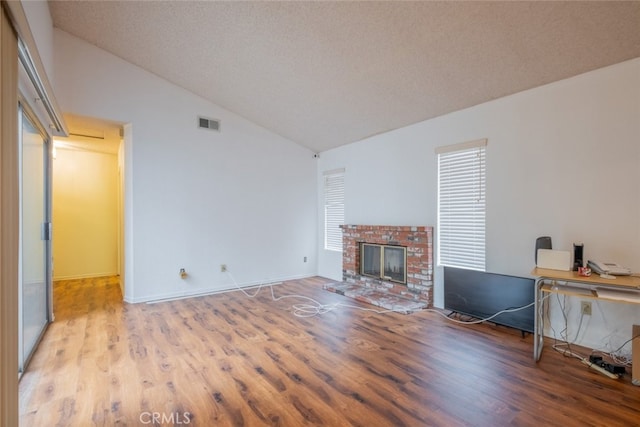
<point>386,262</point>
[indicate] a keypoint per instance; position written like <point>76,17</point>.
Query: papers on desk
<point>616,294</point>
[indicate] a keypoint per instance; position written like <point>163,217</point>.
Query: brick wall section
<point>419,244</point>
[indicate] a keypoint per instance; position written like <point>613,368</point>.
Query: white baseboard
<point>171,296</point>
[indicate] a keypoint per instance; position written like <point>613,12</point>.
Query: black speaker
<point>578,257</point>
<point>543,242</point>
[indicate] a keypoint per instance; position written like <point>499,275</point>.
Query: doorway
<point>87,200</point>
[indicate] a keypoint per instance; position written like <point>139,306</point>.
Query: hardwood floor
<point>227,360</point>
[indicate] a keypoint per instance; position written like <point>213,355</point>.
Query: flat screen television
<point>480,294</point>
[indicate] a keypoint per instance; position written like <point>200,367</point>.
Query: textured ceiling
<point>325,74</point>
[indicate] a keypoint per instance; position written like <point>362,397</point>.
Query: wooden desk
<point>570,283</point>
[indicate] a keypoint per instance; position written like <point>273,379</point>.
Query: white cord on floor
<point>315,308</point>
<point>311,309</point>
<point>474,322</point>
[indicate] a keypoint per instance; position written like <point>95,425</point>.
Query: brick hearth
<point>419,244</point>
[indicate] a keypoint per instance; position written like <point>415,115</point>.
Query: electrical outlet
<point>305,259</point>
<point>585,307</point>
<point>223,268</point>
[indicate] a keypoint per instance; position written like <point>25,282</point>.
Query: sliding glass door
<point>35,265</point>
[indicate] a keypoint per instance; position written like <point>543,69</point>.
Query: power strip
<point>600,369</point>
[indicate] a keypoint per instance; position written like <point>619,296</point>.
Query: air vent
<point>206,123</point>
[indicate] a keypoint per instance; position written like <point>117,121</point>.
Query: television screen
<point>480,294</point>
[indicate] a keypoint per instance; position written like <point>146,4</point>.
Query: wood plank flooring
<point>227,360</point>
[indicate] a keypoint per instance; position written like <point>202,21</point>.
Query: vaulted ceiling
<point>324,74</point>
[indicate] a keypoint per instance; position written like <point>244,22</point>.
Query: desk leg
<point>538,324</point>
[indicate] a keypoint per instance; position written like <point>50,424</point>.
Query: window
<point>333,209</point>
<point>461,205</point>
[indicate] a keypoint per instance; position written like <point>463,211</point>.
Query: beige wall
<point>85,214</point>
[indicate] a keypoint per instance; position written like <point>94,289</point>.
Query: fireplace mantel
<point>419,243</point>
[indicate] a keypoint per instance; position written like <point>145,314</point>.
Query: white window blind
<point>333,209</point>
<point>461,205</point>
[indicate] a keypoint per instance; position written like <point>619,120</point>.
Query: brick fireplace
<point>419,244</point>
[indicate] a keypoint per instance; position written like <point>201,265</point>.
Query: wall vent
<point>206,123</point>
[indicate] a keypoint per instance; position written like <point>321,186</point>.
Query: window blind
<point>461,205</point>
<point>333,209</point>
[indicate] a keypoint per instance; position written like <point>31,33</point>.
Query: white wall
<point>85,214</point>
<point>121,194</point>
<point>194,198</point>
<point>562,160</point>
